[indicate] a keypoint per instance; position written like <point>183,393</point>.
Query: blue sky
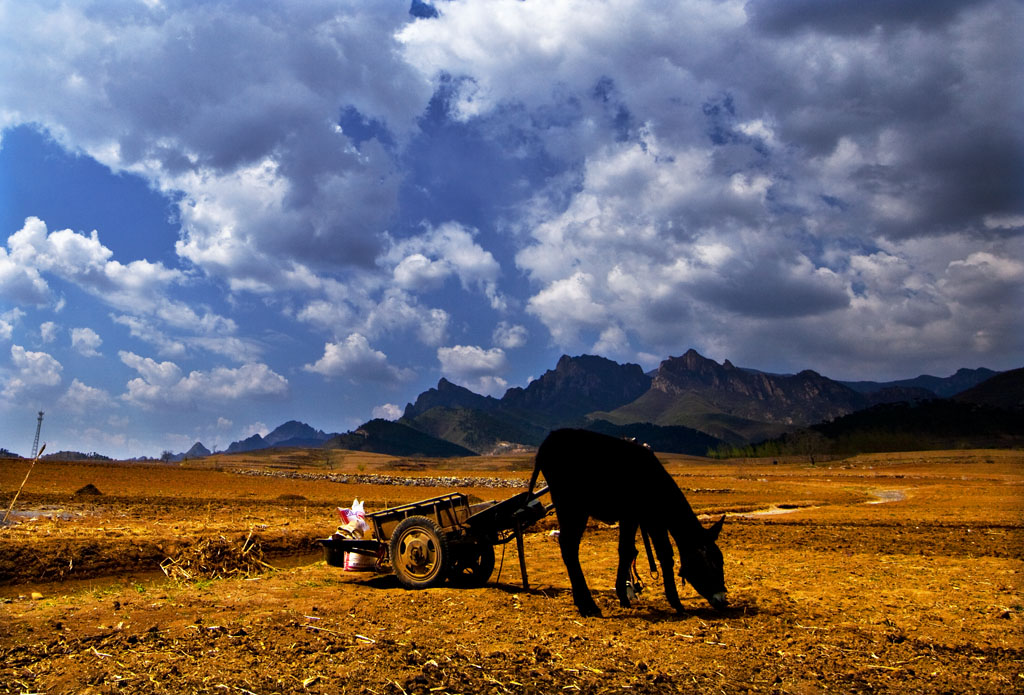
<point>219,216</point>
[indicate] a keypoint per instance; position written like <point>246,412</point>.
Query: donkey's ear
<point>716,529</point>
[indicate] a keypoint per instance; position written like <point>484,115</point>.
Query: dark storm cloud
<point>843,17</point>
<point>771,288</point>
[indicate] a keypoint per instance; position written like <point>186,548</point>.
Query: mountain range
<point>290,434</point>
<point>689,404</point>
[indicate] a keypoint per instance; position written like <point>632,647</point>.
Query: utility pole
<point>35,442</point>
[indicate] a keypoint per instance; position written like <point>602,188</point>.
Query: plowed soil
<point>894,573</point>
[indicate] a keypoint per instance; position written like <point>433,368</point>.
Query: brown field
<point>882,573</point>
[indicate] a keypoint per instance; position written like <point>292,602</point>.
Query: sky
<point>219,216</point>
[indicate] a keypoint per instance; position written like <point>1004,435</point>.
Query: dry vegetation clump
<point>216,558</point>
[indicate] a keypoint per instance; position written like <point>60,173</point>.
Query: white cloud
<point>48,331</point>
<point>397,311</point>
<point>86,341</point>
<point>22,284</point>
<point>82,399</point>
<point>567,306</point>
<point>86,262</point>
<point>238,349</point>
<point>418,273</point>
<point>158,373</point>
<point>138,288</point>
<point>612,343</point>
<point>31,369</point>
<point>355,359</point>
<point>509,336</point>
<point>223,383</point>
<point>388,411</point>
<point>474,367</point>
<point>326,314</point>
<point>162,384</point>
<point>259,428</point>
<point>526,51</point>
<point>1007,221</point>
<point>985,278</point>
<point>369,308</point>
<point>7,321</point>
<point>144,330</point>
<point>422,263</point>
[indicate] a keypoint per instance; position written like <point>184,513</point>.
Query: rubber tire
<point>474,566</point>
<point>419,553</point>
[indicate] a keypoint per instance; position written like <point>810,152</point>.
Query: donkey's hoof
<point>590,611</point>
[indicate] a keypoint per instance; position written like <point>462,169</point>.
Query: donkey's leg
<point>570,533</point>
<point>663,549</point>
<point>627,553</point>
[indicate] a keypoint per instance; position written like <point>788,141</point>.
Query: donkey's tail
<point>542,452</point>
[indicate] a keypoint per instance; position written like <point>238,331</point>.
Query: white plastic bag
<point>353,521</point>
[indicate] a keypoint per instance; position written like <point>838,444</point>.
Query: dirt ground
<point>883,573</point>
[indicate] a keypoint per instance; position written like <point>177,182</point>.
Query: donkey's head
<point>702,565</point>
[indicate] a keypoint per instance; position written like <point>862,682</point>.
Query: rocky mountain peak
<point>448,395</point>
<point>197,451</point>
<point>790,399</point>
<point>579,385</point>
<point>689,371</point>
<point>293,429</point>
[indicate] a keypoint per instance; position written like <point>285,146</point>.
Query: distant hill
<point>291,434</point>
<point>1005,390</point>
<point>671,440</point>
<point>293,431</point>
<point>943,387</point>
<point>395,439</point>
<point>196,452</point>
<point>478,430</point>
<point>922,425</point>
<point>694,411</point>
<point>249,444</point>
<point>74,456</point>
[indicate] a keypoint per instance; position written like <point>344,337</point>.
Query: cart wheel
<point>419,552</point>
<point>473,567</point>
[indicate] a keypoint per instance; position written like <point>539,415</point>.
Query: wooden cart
<point>442,538</point>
